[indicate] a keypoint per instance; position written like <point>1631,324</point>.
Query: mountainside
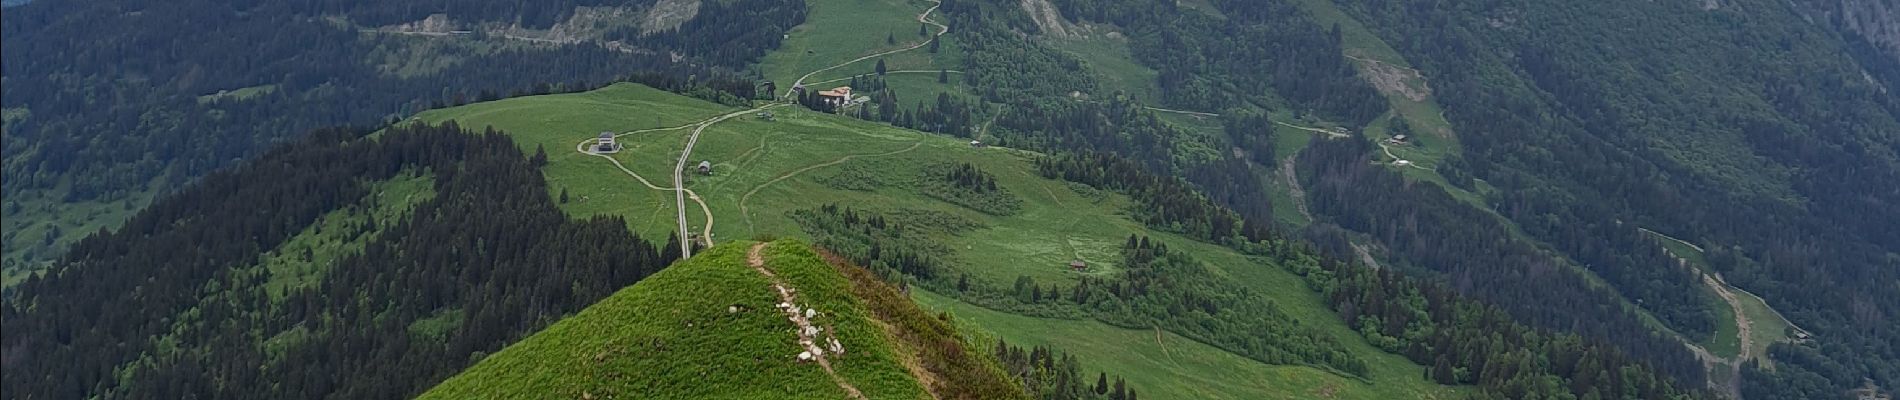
<point>1508,199</point>
<point>1607,119</point>
<point>316,266</point>
<point>109,104</point>
<point>731,323</point>
<point>996,228</point>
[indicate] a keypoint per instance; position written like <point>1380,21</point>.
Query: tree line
<point>126,314</point>
<point>1780,162</point>
<point>1473,252</point>
<point>113,103</point>
<point>1047,373</point>
<point>1465,342</point>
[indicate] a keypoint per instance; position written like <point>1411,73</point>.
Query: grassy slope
<point>556,123</point>
<point>1058,222</point>
<point>866,25</point>
<point>1768,326</point>
<point>1168,366</point>
<point>333,235</point>
<point>1109,58</point>
<point>343,231</point>
<point>671,336</point>
<point>26,242</point>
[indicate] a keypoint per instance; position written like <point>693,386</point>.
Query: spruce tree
<point>880,67</point>
<point>1101,383</point>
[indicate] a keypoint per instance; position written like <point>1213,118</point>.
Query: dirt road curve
<point>924,18</point>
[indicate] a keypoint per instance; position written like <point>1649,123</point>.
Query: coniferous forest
<point>109,99</point>
<point>486,261</point>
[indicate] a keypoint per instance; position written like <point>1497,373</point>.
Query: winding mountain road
<point>924,18</point>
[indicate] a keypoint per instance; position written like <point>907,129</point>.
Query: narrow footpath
<point>807,333</point>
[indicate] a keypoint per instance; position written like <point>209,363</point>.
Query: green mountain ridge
<point>711,327</point>
<point>1197,199</point>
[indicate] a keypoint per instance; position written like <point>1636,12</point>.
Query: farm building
<point>705,167</point>
<point>1078,266</point>
<point>836,96</point>
<point>606,143</point>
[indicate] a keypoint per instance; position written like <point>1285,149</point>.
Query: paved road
<point>679,182</point>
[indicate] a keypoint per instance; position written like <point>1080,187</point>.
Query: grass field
<point>1767,326</point>
<point>1108,57</point>
<point>673,335</point>
<point>38,226</point>
<point>1164,365</point>
<point>764,170</point>
<point>840,30</point>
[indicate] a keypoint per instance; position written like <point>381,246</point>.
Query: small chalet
<point>606,143</point>
<point>705,167</point>
<point>836,96</point>
<point>977,144</point>
<point>1078,266</point>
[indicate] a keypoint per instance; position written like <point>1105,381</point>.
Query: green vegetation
<point>239,94</point>
<point>556,124</point>
<point>301,260</point>
<point>1105,52</point>
<point>840,30</point>
<point>766,171</point>
<point>969,186</point>
<point>930,343</point>
<point>39,225</point>
<point>1173,367</point>
<point>1767,327</point>
<point>197,87</point>
<point>338,257</point>
<point>704,328</point>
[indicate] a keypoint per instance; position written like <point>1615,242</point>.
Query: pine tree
<point>933,43</point>
<point>1101,383</point>
<point>540,158</point>
<point>880,67</point>
<point>1442,371</point>
<point>890,38</point>
<point>563,195</point>
<point>923,29</point>
<point>943,76</point>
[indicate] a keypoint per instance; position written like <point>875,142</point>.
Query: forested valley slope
<point>1200,199</point>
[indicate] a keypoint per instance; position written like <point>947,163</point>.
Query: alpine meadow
<point>950,199</point>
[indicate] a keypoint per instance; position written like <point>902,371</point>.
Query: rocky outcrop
<point>1047,18</point>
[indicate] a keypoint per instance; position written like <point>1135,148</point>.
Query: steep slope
<point>1597,120</point>
<point>338,267</point>
<point>716,327</point>
<point>193,86</point>
<point>985,227</point>
<point>779,176</point>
